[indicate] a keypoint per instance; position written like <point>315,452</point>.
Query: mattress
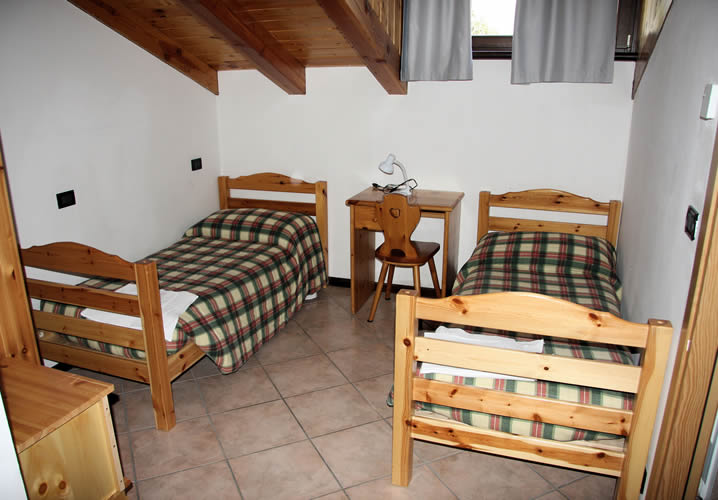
<point>571,267</point>
<point>251,270</point>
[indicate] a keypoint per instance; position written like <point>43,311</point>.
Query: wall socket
<point>65,199</point>
<point>196,164</point>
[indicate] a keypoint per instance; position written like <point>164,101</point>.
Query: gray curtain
<point>436,40</point>
<point>564,41</point>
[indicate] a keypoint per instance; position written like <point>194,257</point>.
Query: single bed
<point>251,264</point>
<point>581,387</point>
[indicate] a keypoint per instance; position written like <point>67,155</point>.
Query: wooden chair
<point>398,221</point>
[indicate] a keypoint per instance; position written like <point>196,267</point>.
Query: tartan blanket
<point>571,267</point>
<point>247,289</point>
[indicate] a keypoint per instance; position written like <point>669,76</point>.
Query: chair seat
<point>425,250</point>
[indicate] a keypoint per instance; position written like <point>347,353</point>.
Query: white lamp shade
<point>387,166</point>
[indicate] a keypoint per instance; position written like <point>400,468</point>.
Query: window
<point>492,26</point>
<point>492,17</point>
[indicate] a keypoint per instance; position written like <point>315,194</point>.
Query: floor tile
<point>123,448</point>
<point>189,444</point>
<point>210,481</point>
<point>337,495</point>
<point>340,334</point>
<point>132,385</point>
<point>294,471</point>
<point>271,425</point>
<point>333,409</point>
<point>554,495</point>
<point>140,414</point>
<point>592,487</point>
<point>359,454</point>
<point>119,414</point>
<point>376,390</point>
<point>557,476</point>
<point>385,310</point>
<point>243,388</point>
<point>289,343</point>
<point>205,367</point>
<point>363,362</point>
<point>384,331</point>
<point>304,375</point>
<point>429,452</point>
<point>184,377</point>
<point>132,492</point>
<point>322,314</point>
<point>500,478</point>
<point>424,485</point>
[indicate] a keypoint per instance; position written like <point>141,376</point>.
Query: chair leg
<point>434,277</point>
<point>417,279</point>
<point>377,294</point>
<point>389,281</point>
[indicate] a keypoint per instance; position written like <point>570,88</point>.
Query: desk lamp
<point>387,166</point>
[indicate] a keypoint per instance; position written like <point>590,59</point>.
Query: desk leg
<point>362,263</point>
<point>452,223</point>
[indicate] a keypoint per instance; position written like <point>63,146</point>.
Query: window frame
<point>499,47</point>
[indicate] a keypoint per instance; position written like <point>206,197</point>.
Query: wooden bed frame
<point>540,315</point>
<point>550,200</point>
<point>158,369</point>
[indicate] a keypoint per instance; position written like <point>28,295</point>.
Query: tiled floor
<point>306,418</point>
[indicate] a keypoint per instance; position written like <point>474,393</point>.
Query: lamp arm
<point>403,170</point>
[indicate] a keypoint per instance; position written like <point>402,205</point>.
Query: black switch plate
<point>691,219</point>
<point>196,164</point>
<point>66,199</point>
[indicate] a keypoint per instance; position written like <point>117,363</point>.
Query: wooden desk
<point>444,205</point>
<point>63,433</point>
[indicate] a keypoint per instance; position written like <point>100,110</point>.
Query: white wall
<point>668,163</point>
<point>83,108</point>
<point>456,136</point>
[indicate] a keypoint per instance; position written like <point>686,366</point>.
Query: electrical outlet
<point>691,221</point>
<point>65,199</point>
<point>196,164</point>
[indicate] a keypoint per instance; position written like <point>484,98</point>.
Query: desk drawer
<point>365,218</point>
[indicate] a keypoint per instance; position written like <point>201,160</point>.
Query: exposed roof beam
<point>114,15</point>
<point>361,27</point>
<point>253,41</point>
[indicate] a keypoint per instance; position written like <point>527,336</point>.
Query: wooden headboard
<point>550,200</point>
<point>280,183</point>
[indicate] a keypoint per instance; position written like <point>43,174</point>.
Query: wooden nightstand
<point>63,434</point>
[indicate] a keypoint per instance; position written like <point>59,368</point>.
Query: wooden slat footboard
<point>87,261</point>
<point>519,312</point>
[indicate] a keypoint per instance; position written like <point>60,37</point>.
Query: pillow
<point>258,225</point>
<point>548,253</point>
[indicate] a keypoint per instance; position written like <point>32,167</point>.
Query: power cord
<point>390,188</point>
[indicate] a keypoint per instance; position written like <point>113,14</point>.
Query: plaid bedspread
<point>571,267</point>
<point>247,289</point>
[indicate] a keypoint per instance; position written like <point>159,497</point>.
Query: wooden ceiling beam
<point>114,15</point>
<point>253,41</point>
<point>361,27</point>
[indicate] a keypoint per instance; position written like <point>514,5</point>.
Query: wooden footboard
<point>157,369</point>
<point>540,315</point>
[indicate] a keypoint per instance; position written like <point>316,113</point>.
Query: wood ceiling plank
<point>363,29</point>
<point>233,65</point>
<point>253,41</point>
<point>115,15</point>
